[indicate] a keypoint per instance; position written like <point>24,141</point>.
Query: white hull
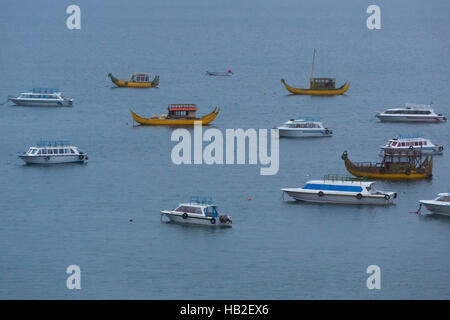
<point>178,218</point>
<point>339,199</point>
<point>41,102</point>
<point>52,159</point>
<point>285,132</point>
<point>410,118</point>
<point>424,150</point>
<point>436,208</point>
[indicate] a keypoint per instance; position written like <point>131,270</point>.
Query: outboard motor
<point>224,218</point>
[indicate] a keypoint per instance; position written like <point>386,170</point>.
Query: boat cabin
<point>199,205</point>
<point>53,148</point>
<point>182,111</point>
<point>303,124</point>
<point>322,83</point>
<point>140,77</point>
<point>408,156</point>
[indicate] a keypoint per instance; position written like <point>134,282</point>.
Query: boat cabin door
<point>211,211</point>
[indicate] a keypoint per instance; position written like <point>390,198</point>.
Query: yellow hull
<point>314,92</point>
<point>131,84</point>
<point>155,120</point>
<point>369,175</point>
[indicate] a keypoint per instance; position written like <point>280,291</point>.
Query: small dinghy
<point>215,73</point>
<point>200,210</point>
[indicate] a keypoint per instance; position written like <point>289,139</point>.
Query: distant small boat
<point>179,114</point>
<point>341,189</point>
<point>318,86</point>
<point>215,73</point>
<point>413,142</point>
<point>44,97</point>
<point>439,205</point>
<point>200,211</point>
<point>412,112</point>
<point>138,80</point>
<point>53,152</point>
<point>396,164</point>
<point>304,127</point>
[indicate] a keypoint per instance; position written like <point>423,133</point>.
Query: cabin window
<point>44,151</point>
<point>39,152</point>
<point>425,143</point>
<point>394,144</point>
<point>72,151</point>
<point>49,151</point>
<point>66,151</point>
<point>61,151</point>
<point>33,151</point>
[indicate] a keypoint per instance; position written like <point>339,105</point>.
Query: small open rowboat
<point>138,80</point>
<point>179,115</point>
<point>215,73</point>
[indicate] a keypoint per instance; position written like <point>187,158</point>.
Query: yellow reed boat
<point>178,115</point>
<point>138,80</point>
<point>318,86</point>
<point>404,164</point>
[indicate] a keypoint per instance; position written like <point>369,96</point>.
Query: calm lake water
<point>53,217</point>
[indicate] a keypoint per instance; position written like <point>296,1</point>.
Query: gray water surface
<point>53,217</point>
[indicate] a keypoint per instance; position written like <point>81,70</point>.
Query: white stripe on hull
<point>298,134</point>
<point>40,103</point>
<point>198,221</point>
<point>438,209</point>
<point>410,119</point>
<point>327,198</point>
<point>51,159</point>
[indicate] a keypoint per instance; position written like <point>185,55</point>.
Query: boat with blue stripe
<point>341,189</point>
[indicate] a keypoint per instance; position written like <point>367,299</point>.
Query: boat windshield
<point>188,209</point>
<point>444,198</point>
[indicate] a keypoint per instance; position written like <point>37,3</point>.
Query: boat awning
<point>182,107</point>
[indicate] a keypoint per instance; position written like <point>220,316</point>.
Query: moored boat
<point>439,205</point>
<point>138,80</point>
<point>218,73</point>
<point>342,190</point>
<point>178,115</point>
<point>44,97</point>
<point>304,127</point>
<point>405,142</point>
<point>396,164</point>
<point>201,211</point>
<point>53,152</point>
<point>412,112</point>
<point>318,86</point>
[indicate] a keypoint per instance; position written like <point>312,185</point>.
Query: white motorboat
<point>198,211</point>
<point>412,112</point>
<point>342,190</point>
<point>440,205</point>
<point>53,152</point>
<point>304,127</point>
<point>45,97</point>
<point>413,142</point>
